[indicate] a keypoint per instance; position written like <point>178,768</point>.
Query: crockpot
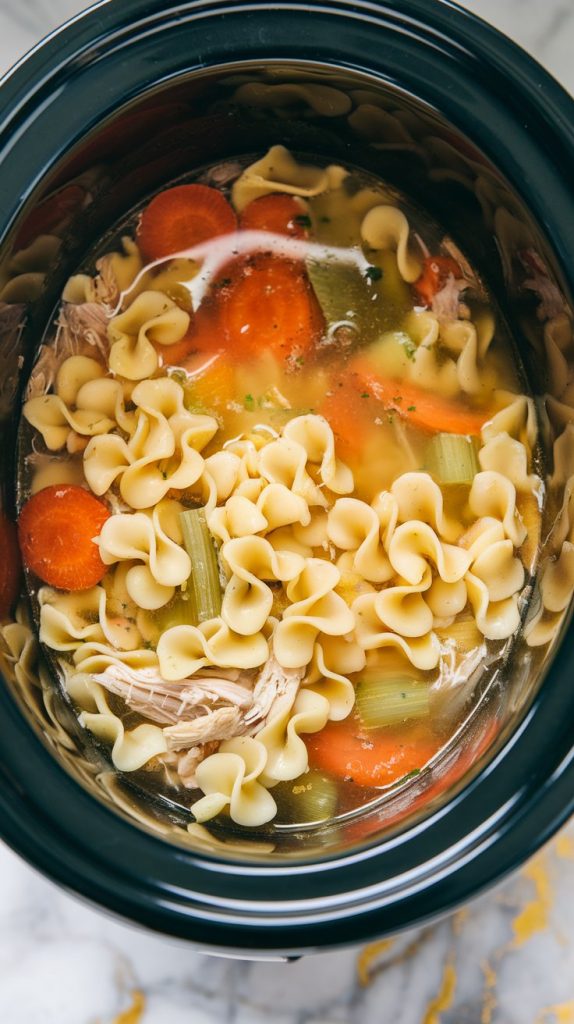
<point>128,96</point>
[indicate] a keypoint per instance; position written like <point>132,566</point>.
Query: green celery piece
<point>180,611</point>
<point>393,700</point>
<point>310,799</point>
<point>452,459</point>
<point>204,580</point>
<point>340,290</point>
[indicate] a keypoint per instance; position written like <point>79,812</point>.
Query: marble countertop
<point>508,958</point>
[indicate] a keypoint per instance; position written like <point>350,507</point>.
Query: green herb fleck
<point>409,347</point>
<point>365,394</point>
<point>374,273</point>
<point>300,360</point>
<point>412,408</point>
<point>249,402</point>
<point>410,775</point>
<point>398,398</point>
<point>303,220</point>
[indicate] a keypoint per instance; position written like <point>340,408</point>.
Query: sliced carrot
<point>424,409</point>
<point>202,336</point>
<point>436,270</point>
<point>182,217</point>
<point>269,305</point>
<point>277,212</point>
<point>369,758</point>
<point>10,566</point>
<point>57,530</point>
<point>178,353</point>
<point>214,387</point>
<point>467,757</point>
<point>463,762</point>
<point>349,416</point>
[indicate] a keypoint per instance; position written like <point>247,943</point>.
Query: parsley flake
<point>374,273</point>
<point>303,220</point>
<point>249,402</point>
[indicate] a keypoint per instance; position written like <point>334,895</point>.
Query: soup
<point>279,503</point>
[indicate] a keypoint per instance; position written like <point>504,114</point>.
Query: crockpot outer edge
<point>505,813</point>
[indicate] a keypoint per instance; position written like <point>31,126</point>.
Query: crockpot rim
<point>565,806</point>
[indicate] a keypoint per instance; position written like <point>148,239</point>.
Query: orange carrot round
<point>57,530</point>
<point>10,566</point>
<point>182,217</point>
<point>270,305</point>
<point>277,212</point>
<point>369,758</point>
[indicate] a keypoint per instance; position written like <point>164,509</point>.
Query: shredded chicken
<point>106,283</point>
<point>80,329</point>
<point>220,724</point>
<point>200,712</point>
<point>116,502</point>
<point>44,373</point>
<point>469,274</point>
<point>221,174</point>
<point>146,692</point>
<point>189,760</point>
<point>275,690</point>
<point>446,302</point>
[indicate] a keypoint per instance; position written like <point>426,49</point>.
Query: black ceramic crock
<point>126,97</point>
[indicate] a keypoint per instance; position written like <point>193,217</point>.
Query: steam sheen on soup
<point>279,509</point>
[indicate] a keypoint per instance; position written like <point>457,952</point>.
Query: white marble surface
<point>506,959</point>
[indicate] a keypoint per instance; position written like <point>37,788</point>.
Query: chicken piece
<point>189,760</point>
<point>221,174</point>
<point>82,326</point>
<point>219,724</point>
<point>145,691</point>
<point>469,274</point>
<point>105,287</point>
<point>446,302</point>
<point>275,691</point>
<point>80,329</point>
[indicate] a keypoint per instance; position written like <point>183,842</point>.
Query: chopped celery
<point>180,611</point>
<point>204,582</point>
<point>464,633</point>
<point>340,289</point>
<point>310,799</point>
<point>452,459</point>
<point>384,701</point>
